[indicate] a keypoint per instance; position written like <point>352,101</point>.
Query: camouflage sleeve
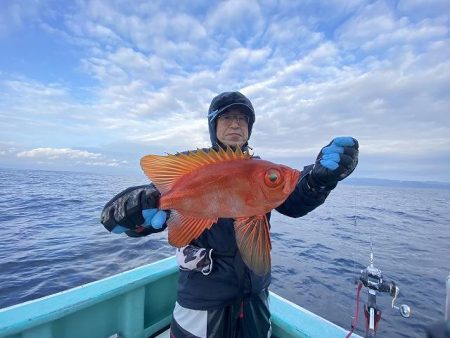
<point>193,258</point>
<point>125,209</point>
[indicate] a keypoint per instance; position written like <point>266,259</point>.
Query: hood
<point>220,104</point>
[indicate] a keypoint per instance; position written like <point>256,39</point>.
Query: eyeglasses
<point>229,118</point>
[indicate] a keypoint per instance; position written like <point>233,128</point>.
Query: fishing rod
<point>447,301</point>
<point>372,278</point>
<point>441,329</point>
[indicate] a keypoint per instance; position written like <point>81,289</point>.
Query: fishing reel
<point>372,278</point>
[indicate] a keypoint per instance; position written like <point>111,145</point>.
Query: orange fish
<point>202,186</point>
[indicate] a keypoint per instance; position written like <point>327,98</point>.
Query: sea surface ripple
<point>51,240</point>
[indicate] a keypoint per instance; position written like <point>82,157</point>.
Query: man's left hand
<point>335,162</point>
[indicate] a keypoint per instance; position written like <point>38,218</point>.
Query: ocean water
<point>51,240</point>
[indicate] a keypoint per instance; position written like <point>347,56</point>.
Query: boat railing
<point>138,304</point>
<point>135,303</point>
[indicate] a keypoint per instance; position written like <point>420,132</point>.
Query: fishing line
<point>354,312</point>
<point>355,220</point>
<point>356,198</point>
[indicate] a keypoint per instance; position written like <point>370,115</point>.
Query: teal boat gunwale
<point>33,313</point>
<point>292,320</point>
<point>133,298</point>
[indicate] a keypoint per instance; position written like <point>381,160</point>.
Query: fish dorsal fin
<point>164,171</point>
<point>253,241</point>
<point>183,229</point>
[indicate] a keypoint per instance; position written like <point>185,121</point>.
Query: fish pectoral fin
<point>184,229</point>
<point>253,241</point>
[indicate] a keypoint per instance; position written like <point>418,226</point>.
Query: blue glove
<point>334,163</point>
<point>153,218</point>
<point>135,212</point>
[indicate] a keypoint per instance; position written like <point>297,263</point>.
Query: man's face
<point>232,128</point>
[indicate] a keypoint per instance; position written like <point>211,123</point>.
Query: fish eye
<point>273,177</point>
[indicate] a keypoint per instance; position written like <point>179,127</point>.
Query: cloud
<point>160,32</point>
<point>369,69</point>
<point>7,148</point>
<point>14,16</point>
<point>125,64</point>
<point>69,156</point>
<point>37,114</point>
<point>422,8</point>
<point>239,19</point>
<point>377,27</point>
<point>175,133</point>
<point>242,61</point>
<point>35,88</point>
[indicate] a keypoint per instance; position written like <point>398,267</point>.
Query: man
<point>218,295</point>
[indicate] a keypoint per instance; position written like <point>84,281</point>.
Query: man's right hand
<point>135,212</point>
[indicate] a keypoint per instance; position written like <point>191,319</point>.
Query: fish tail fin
<point>253,241</point>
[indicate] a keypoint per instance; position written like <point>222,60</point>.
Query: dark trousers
<point>249,318</point>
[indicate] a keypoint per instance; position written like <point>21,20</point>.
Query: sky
<point>95,85</point>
